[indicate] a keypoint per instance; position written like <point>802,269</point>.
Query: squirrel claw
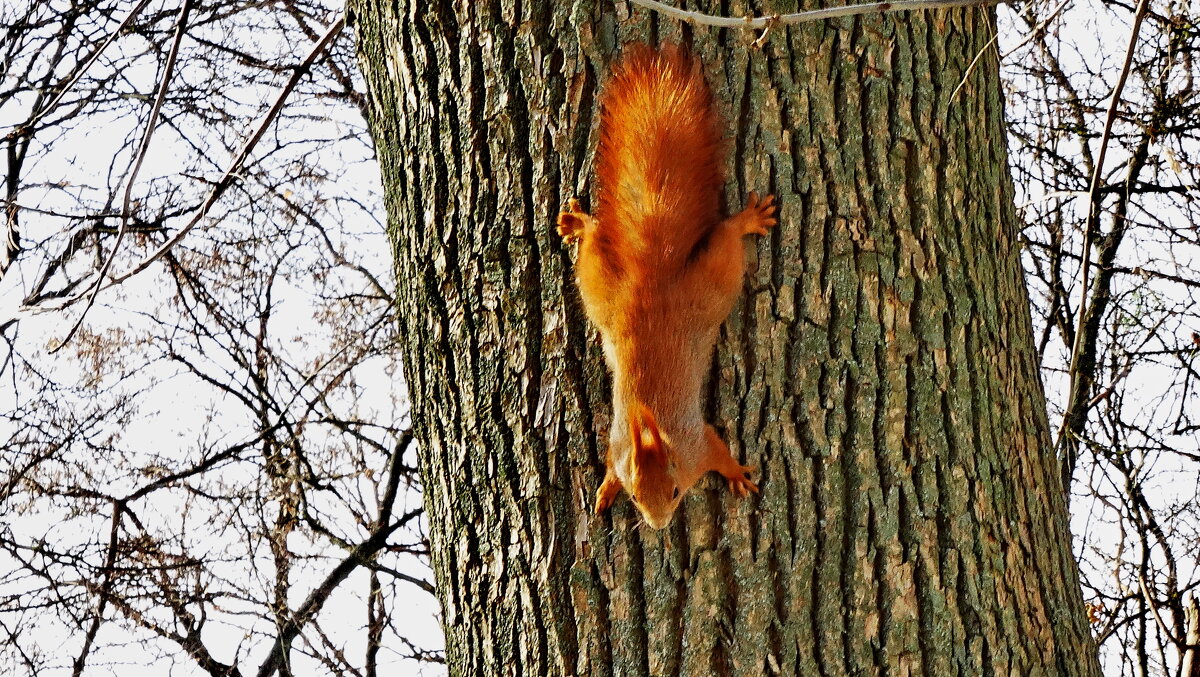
<point>759,214</point>
<point>741,485</point>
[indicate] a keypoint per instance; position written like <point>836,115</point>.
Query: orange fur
<point>659,270</point>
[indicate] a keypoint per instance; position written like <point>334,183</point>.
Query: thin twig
<point>774,19</point>
<point>105,590</point>
<point>1036,30</point>
<point>143,147</point>
<point>53,103</point>
<point>974,62</point>
<point>226,179</point>
<point>1154,610</point>
<point>806,17</point>
<point>1093,218</point>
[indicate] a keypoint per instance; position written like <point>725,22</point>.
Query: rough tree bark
<point>879,370</point>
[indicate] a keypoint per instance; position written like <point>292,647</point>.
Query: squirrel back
<point>659,170</point>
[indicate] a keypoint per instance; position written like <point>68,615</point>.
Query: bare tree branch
<point>222,184</point>
<point>1092,224</point>
<point>151,124</point>
<point>806,17</point>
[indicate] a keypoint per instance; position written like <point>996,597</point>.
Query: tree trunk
<point>879,370</point>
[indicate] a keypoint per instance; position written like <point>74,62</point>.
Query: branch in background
<point>1162,625</point>
<point>45,110</point>
<point>143,147</point>
<point>192,564</point>
<point>806,17</point>
<point>1190,666</point>
<point>12,237</point>
<point>1038,29</point>
<point>109,571</point>
<point>223,183</point>
<point>361,555</point>
<point>317,598</point>
<point>1077,388</point>
<point>226,179</point>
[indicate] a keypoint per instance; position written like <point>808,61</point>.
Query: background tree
<point>198,481</point>
<point>880,372</point>
<point>1128,409</point>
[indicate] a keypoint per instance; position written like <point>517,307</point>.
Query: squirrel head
<point>655,490</point>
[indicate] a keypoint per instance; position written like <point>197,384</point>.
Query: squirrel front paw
<point>741,485</point>
<point>572,222</point>
<point>607,493</point>
<point>758,216</point>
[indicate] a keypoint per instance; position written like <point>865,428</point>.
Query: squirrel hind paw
<point>572,222</point>
<point>570,227</point>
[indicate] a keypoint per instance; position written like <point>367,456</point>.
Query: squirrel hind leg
<point>721,460</point>
<point>573,222</point>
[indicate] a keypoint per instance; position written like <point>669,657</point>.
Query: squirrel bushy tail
<point>659,171</point>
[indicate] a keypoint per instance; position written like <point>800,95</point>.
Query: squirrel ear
<point>644,433</point>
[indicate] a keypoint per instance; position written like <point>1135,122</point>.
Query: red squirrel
<point>659,270</point>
